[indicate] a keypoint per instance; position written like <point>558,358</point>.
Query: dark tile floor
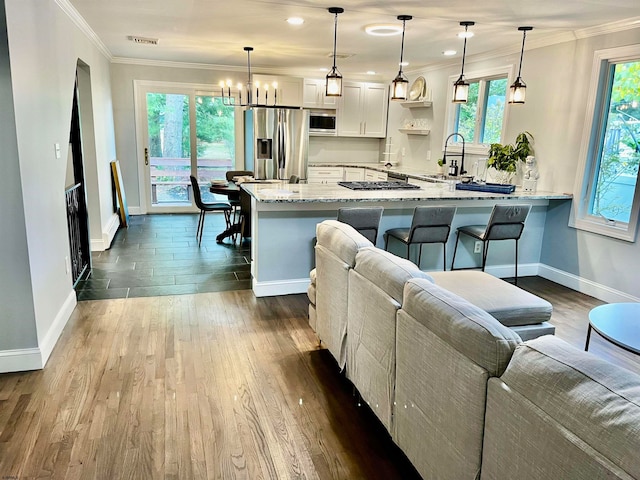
<point>159,255</point>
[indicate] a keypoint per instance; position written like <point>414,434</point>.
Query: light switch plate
<point>57,149</point>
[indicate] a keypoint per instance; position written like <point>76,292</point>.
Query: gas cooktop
<point>378,185</point>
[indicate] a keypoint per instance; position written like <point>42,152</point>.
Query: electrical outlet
<point>477,248</point>
<point>428,154</point>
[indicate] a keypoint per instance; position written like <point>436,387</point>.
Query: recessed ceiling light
<point>449,53</point>
<point>465,34</point>
<point>323,69</point>
<point>383,29</point>
<point>295,21</point>
<point>371,72</point>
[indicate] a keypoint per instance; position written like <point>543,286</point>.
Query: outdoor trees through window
<point>619,151</point>
<point>480,120</point>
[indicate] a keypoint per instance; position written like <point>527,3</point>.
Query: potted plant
<point>504,158</point>
<point>441,166</point>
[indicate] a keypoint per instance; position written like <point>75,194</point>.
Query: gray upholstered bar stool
<point>430,224</point>
<point>505,223</point>
<point>365,220</point>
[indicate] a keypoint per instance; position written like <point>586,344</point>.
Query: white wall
<point>557,80</point>
<point>17,317</point>
<point>44,48</point>
<point>344,150</point>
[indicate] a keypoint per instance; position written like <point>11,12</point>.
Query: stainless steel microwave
<point>322,122</point>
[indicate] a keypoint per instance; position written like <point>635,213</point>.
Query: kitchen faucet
<point>461,155</point>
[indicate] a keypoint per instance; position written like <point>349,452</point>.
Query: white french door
<point>183,130</point>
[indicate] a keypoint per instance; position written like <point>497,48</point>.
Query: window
<point>609,197</point>
<point>481,120</point>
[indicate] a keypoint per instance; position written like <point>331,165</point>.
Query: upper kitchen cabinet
<point>363,110</point>
<point>289,89</point>
<point>314,94</point>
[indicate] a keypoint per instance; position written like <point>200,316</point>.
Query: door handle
<point>146,156</point>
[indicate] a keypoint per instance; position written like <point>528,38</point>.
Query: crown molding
<point>84,27</point>
<point>613,27</point>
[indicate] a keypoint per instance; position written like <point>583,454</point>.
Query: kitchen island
<point>284,219</point>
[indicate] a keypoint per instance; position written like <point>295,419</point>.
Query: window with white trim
<point>481,121</point>
<point>609,199</point>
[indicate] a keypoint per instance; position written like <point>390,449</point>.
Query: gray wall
<point>122,77</point>
<point>17,317</point>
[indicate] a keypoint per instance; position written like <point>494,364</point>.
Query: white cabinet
<point>354,174</point>
<point>362,111</point>
<point>314,95</point>
<point>324,174</point>
<point>374,176</point>
<point>289,89</point>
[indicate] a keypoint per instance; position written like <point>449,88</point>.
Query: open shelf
<point>417,104</point>
<point>414,131</point>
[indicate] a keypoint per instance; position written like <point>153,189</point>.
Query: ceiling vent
<point>143,40</point>
<point>340,55</point>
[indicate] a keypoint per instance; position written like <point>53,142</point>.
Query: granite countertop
<point>414,173</point>
<point>313,193</point>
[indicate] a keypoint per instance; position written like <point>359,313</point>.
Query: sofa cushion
<point>446,351</point>
<point>559,412</point>
<point>471,331</point>
<point>387,271</point>
<point>341,239</point>
<point>336,251</point>
<point>311,289</point>
<point>509,304</point>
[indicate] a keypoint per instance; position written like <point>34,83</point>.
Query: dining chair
<point>505,223</point>
<point>235,202</point>
<point>223,207</point>
<point>365,220</point>
<point>429,224</point>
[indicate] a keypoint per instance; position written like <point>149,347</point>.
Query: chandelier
<point>248,96</point>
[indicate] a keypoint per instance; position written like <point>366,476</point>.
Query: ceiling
<point>214,32</point>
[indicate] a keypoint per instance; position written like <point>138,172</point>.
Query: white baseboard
<point>102,244</point>
<point>52,336</point>
<point>20,360</point>
<point>583,285</point>
<point>135,211</point>
<point>508,271</point>
<point>280,287</point>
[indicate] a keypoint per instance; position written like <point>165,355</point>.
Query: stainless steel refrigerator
<point>276,142</point>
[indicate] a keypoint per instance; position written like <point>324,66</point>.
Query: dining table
<point>234,193</point>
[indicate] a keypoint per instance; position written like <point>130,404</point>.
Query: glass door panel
<point>215,141</point>
<point>169,148</point>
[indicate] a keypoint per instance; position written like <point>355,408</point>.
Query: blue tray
<point>486,187</point>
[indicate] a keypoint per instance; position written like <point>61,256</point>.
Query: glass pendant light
<point>400,84</point>
<point>334,79</point>
<point>460,86</point>
<point>518,91</point>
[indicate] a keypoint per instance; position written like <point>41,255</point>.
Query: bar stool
<point>430,224</point>
<point>365,220</point>
<point>505,223</point>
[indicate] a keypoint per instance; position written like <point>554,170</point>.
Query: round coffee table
<point>618,323</point>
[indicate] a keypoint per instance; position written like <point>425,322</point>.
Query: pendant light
<point>400,84</point>
<point>460,86</point>
<point>518,90</point>
<point>334,79</point>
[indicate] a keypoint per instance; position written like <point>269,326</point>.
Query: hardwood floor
<point>211,385</point>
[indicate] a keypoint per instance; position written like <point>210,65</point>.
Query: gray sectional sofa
<point>458,390</point>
